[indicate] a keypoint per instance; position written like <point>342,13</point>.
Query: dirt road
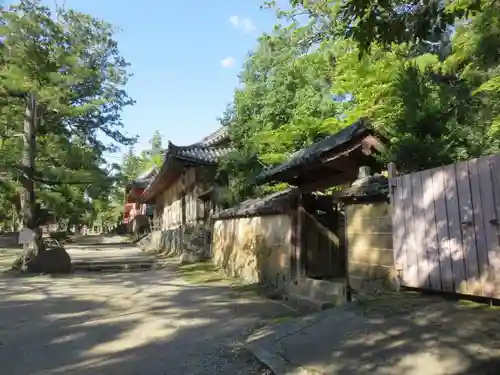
<point>149,323</point>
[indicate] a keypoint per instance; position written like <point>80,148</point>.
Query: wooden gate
<point>322,250</point>
<point>446,227</point>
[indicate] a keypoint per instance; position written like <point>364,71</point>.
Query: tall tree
<point>285,103</point>
<point>132,165</point>
<point>381,21</point>
<point>153,157</point>
<point>71,62</point>
<point>424,73</point>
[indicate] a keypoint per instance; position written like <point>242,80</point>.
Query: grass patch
<point>201,273</point>
<point>468,304</point>
<point>241,289</point>
<point>205,272</point>
<point>280,319</point>
<point>391,304</point>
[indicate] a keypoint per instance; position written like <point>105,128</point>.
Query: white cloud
<point>242,23</point>
<point>228,62</point>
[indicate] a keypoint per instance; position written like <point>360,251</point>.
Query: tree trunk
<point>28,201</point>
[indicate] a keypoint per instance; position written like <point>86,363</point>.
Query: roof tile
<point>316,150</point>
<point>200,154</point>
<point>276,203</point>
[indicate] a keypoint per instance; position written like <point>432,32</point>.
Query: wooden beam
<point>321,228</point>
<point>299,237</point>
<point>374,143</point>
<point>323,182</point>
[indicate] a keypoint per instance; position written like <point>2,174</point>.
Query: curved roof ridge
<point>211,139</point>
<point>194,145</point>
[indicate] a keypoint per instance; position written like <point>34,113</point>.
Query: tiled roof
<point>144,179</point>
<point>275,203</point>
<point>147,175</point>
<point>375,186</point>
<point>198,153</point>
<point>316,150</point>
<point>203,152</point>
<point>216,137</point>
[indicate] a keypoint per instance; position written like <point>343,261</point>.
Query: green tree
<point>153,157</point>
<point>72,63</point>
<point>424,73</point>
<point>285,103</point>
<point>381,21</point>
<point>132,165</point>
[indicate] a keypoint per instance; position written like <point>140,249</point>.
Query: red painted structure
<point>136,212</point>
<point>132,206</point>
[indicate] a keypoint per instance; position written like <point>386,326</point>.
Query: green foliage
<point>71,62</point>
<point>426,75</point>
<point>133,165</point>
<point>284,105</point>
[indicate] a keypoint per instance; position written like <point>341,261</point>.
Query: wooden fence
<point>446,227</point>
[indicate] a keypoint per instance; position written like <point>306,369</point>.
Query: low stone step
<point>113,266</point>
<point>319,289</point>
<point>112,260</point>
<point>319,294</point>
<point>306,304</point>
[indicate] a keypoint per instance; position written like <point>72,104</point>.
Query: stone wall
<point>369,244</point>
<point>256,249</point>
<point>194,239</point>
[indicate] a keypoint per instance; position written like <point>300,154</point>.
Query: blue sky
<point>185,58</point>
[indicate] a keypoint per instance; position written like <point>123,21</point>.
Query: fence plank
<point>479,226</point>
<point>419,230</point>
<point>411,274</point>
<point>489,219</point>
<point>454,230</point>
<point>442,229</point>
<point>431,237</point>
<point>398,228</point>
<point>494,257</point>
<point>466,211</point>
<point>446,227</point>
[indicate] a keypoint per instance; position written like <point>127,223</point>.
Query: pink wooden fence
<point>446,227</point>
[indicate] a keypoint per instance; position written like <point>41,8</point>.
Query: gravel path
<point>149,323</point>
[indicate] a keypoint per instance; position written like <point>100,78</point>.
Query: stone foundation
<point>256,249</point>
<point>369,242</point>
<point>193,239</point>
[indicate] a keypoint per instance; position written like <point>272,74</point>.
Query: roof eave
<point>277,173</point>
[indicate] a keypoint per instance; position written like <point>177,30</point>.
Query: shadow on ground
<point>142,323</point>
<point>398,334</point>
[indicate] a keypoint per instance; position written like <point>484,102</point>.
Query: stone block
<point>369,240</point>
<point>380,257</point>
<point>368,210</point>
<point>361,224</point>
<point>367,271</point>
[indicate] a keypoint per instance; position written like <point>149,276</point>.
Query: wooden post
<point>391,170</point>
<point>391,174</point>
<point>195,193</point>
<point>298,247</point>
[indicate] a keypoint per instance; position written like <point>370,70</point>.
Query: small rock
<point>51,261</point>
